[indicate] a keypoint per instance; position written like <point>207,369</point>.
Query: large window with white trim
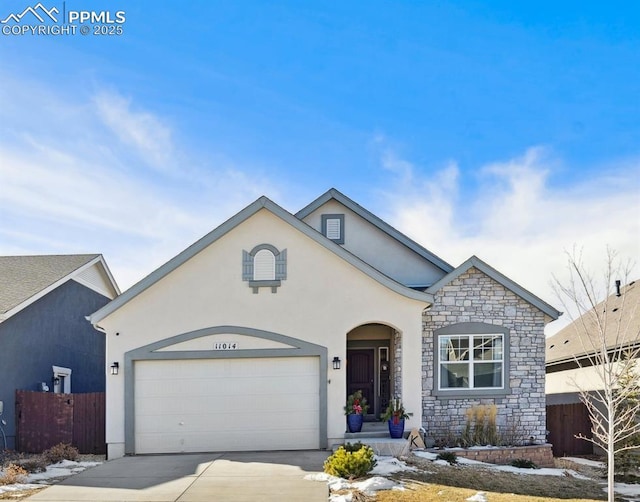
<point>471,361</point>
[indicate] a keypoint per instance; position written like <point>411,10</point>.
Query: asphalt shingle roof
<point>577,338</point>
<point>21,277</point>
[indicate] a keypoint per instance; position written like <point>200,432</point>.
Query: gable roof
<point>375,221</point>
<point>25,279</point>
<point>261,203</point>
<point>576,340</point>
<point>476,262</point>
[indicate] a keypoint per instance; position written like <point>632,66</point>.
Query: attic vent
<point>333,227</point>
<point>551,346</point>
<point>566,342</point>
<point>615,309</point>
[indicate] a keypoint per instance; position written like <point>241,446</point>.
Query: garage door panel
<point>176,370</point>
<point>227,405</point>
<point>214,386</point>
<point>179,423</point>
<point>192,442</point>
<point>231,399</point>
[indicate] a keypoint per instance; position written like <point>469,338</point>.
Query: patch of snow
<point>584,461</point>
<point>320,476</point>
<point>341,498</point>
<point>59,470</point>
<point>372,485</point>
<point>390,465</point>
<point>545,471</point>
<point>478,497</point>
<point>426,454</point>
<point>338,484</point>
<point>505,468</point>
<point>468,461</point>
<point>18,487</point>
<point>625,490</point>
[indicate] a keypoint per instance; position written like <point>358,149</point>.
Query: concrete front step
<point>371,430</point>
<point>385,446</point>
<point>356,436</point>
<point>376,435</point>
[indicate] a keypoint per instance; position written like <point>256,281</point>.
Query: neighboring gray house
<point>568,351</point>
<point>46,343</point>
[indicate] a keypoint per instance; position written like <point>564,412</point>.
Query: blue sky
<point>503,130</point>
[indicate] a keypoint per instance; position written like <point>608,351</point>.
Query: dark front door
<point>360,374</point>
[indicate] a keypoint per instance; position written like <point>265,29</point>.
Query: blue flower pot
<point>354,422</point>
<point>396,430</point>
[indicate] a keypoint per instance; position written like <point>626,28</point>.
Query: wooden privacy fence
<point>564,421</point>
<point>44,419</point>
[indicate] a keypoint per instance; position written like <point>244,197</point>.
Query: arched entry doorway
<point>370,365</point>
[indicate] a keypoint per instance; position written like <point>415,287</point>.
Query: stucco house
<point>252,337</point>
<point>46,343</point>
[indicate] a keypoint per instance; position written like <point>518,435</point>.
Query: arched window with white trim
<point>264,266</point>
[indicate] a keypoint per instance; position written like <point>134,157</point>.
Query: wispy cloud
<point>429,201</point>
<point>516,216</point>
<point>140,130</point>
<point>79,180</point>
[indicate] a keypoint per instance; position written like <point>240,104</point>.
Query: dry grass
<point>12,474</point>
<point>452,483</point>
<point>421,492</point>
<point>22,494</point>
<point>32,463</point>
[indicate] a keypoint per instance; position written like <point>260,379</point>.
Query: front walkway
<point>233,477</point>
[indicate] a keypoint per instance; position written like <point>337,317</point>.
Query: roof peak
<point>334,193</point>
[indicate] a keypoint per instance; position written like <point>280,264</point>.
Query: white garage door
<point>227,405</point>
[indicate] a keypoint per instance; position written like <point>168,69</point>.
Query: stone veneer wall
<point>541,455</point>
<point>475,297</point>
<point>397,365</point>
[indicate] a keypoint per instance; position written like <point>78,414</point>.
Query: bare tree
<point>608,329</point>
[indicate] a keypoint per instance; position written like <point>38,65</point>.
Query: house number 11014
<point>226,346</point>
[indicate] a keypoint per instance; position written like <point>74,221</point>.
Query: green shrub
<point>351,447</point>
<point>448,456</point>
<point>349,462</point>
<point>60,452</point>
<point>524,463</point>
<point>12,474</point>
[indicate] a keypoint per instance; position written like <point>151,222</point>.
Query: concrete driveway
<point>233,477</point>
